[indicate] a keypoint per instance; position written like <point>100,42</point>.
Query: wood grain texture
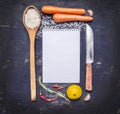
<point>32,65</point>
<point>32,33</point>
<point>88,85</point>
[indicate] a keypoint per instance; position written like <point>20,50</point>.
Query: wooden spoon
<point>32,33</point>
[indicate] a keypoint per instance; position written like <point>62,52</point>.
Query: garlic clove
<point>90,12</point>
<point>87,97</point>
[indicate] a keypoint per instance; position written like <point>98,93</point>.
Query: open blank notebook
<point>61,55</point>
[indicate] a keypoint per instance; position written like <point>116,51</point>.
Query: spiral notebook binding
<point>51,29</point>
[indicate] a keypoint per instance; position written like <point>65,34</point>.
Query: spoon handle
<point>32,66</point>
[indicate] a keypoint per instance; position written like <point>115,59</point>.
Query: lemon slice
<point>74,92</point>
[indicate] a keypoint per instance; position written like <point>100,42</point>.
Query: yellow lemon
<point>74,92</point>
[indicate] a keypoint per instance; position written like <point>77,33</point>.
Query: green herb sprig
<point>60,94</point>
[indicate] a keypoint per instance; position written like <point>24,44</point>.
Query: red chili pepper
<point>57,87</point>
<point>47,99</point>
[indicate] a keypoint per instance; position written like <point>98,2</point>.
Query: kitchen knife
<point>89,57</point>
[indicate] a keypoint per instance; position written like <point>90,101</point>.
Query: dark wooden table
<point>14,60</point>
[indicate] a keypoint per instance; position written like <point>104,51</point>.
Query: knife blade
<point>89,57</point>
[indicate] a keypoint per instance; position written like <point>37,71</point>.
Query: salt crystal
<point>32,18</point>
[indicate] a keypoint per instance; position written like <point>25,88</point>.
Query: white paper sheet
<point>61,56</point>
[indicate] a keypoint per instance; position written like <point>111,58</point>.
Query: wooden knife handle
<point>88,85</point>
